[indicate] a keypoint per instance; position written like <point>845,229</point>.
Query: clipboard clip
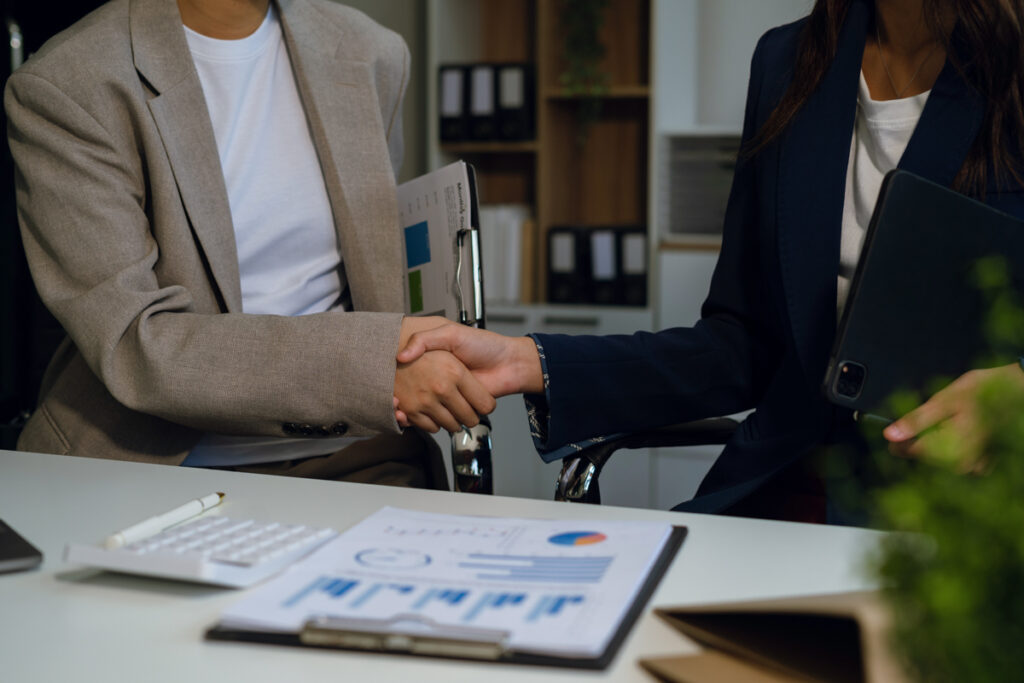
<point>472,315</point>
<point>405,633</point>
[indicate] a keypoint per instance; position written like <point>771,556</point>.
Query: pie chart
<point>577,538</point>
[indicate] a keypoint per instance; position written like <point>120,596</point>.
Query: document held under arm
<point>440,222</point>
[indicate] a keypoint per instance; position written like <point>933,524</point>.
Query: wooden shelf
<point>692,243</point>
<point>616,92</point>
<point>567,176</point>
<point>525,147</point>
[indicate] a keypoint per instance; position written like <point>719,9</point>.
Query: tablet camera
<point>850,381</point>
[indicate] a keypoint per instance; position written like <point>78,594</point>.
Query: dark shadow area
<point>28,333</point>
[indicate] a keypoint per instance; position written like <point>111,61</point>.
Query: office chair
<point>578,481</point>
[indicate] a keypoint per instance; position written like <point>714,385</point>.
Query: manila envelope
<point>839,638</point>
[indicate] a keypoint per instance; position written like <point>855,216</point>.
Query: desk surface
<point>63,623</point>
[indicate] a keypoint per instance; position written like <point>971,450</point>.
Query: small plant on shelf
<point>583,53</point>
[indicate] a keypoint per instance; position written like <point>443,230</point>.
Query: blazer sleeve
<point>83,202</point>
<point>601,385</point>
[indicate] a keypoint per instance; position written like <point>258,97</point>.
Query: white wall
<point>408,19</point>
<point>702,51</point>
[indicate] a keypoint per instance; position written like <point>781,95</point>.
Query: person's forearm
<point>528,370</point>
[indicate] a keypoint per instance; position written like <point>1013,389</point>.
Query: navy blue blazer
<point>769,321</point>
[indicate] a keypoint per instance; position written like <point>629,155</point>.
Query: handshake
<point>450,374</point>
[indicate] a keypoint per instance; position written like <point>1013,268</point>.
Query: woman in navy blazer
<point>769,321</point>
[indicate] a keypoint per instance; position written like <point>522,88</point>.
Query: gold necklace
<point>881,58</point>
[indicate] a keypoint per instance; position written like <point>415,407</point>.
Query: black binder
<point>913,314</point>
<point>483,102</point>
<point>453,102</point>
<point>515,112</point>
<point>450,642</point>
<point>633,268</point>
<point>605,266</point>
<point>568,265</point>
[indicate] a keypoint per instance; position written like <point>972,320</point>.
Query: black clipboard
<point>470,295</point>
<point>453,642</point>
<point>913,314</point>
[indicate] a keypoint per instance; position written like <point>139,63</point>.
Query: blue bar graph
<point>493,601</point>
<point>554,569</point>
<point>377,587</point>
<point>551,605</point>
<point>445,595</point>
<point>334,587</point>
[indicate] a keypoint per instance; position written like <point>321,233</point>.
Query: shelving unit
<point>601,182</point>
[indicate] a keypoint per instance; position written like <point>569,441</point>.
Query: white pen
<point>155,525</point>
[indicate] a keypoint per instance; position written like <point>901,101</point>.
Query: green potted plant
<point>955,584</point>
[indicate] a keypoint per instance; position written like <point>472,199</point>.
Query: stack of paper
<point>502,235</point>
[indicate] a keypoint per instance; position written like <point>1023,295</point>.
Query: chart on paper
<point>432,209</point>
<point>558,587</point>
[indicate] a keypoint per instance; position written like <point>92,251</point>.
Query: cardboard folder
<point>841,638</point>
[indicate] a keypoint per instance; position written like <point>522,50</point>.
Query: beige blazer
<point>128,233</point>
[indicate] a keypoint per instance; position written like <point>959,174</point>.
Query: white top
<point>288,255</point>
<point>880,135</point>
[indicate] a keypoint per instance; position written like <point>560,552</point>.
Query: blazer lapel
<point>813,157</point>
<point>179,109</point>
<point>946,130</point>
<point>343,110</point>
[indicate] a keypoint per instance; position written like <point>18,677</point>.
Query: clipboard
<point>411,634</point>
<point>439,215</point>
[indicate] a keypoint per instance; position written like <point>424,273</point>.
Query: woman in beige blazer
<point>128,232</point>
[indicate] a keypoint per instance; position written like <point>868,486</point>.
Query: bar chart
<point>552,605</point>
<point>548,569</point>
<point>348,596</point>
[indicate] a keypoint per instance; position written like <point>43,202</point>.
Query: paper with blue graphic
<point>432,209</point>
<point>556,587</point>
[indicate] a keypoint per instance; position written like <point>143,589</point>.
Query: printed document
<point>555,587</point>
<point>432,210</point>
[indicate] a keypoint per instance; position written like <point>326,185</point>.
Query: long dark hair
<point>989,55</point>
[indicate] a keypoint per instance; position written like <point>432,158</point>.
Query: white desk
<point>65,624</point>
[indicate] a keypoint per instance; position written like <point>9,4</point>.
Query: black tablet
<point>915,315</point>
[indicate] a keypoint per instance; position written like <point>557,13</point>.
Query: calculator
<point>215,550</point>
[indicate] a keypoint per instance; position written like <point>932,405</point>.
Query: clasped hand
<point>449,374</point>
<point>435,390</point>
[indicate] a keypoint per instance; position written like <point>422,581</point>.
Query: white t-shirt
<point>288,255</point>
<point>880,135</point>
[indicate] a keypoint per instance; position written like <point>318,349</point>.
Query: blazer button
<point>339,428</point>
<point>290,428</point>
<point>322,431</point>
<point>306,430</point>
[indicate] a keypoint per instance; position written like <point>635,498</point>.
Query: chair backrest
<point>579,480</point>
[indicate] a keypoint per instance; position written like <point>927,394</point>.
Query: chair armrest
<point>578,481</point>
